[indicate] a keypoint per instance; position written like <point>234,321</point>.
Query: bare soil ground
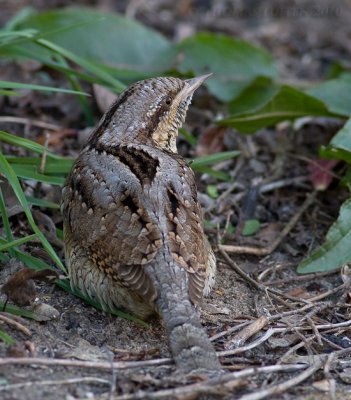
<point>304,48</point>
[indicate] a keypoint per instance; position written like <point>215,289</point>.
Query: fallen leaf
<point>320,173</point>
<point>345,376</point>
<point>211,141</point>
<point>346,274</point>
<point>55,139</point>
<point>85,351</point>
<point>298,292</point>
<point>20,288</point>
<point>323,385</point>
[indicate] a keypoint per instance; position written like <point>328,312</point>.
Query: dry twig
<point>277,294</point>
<point>268,250</point>
<point>54,383</point>
<point>219,385</point>
<point>16,324</point>
<point>104,365</point>
<point>282,387</point>
<point>30,122</point>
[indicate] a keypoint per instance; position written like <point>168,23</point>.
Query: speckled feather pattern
<point>132,222</point>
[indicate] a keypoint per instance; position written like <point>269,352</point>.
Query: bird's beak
<point>193,84</point>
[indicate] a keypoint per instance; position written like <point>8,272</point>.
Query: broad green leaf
<point>336,94</point>
<point>251,227</point>
<point>212,191</point>
<point>234,63</point>
<point>255,96</point>
<point>342,140</point>
<point>340,146</point>
<point>101,37</point>
<point>287,104</point>
<point>336,251</point>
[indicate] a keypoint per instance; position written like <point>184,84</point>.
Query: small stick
<point>54,383</point>
<point>276,293</point>
<point>315,331</point>
<point>222,383</point>
<point>270,332</point>
<point>45,154</point>
<point>84,364</point>
<point>282,387</point>
<point>16,324</point>
<point>329,292</point>
<point>300,278</point>
<point>241,337</point>
<point>32,122</point>
<point>259,251</point>
<point>230,330</point>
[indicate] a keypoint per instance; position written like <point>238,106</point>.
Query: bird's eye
<point>168,100</point>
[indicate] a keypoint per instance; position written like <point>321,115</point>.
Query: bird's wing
<point>186,237</point>
<point>104,215</point>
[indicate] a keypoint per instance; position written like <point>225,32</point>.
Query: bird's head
<point>149,112</point>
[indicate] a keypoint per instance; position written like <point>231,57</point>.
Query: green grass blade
<point>58,166</point>
<point>9,93</point>
<point>17,242</point>
<point>5,219</point>
<point>10,174</point>
<point>24,13</point>
<point>26,144</point>
<point>42,203</point>
<point>9,340</point>
<point>188,136</point>
<point>17,85</point>
<point>221,175</point>
<point>30,261</point>
<point>119,86</point>
<point>77,87</point>
<point>9,308</point>
<point>213,159</point>
<point>31,173</point>
<point>64,284</point>
<point>18,52</point>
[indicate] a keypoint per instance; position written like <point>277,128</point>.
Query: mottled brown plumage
<point>132,222</point>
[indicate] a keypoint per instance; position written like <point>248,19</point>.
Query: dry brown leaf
<point>320,173</point>
<point>323,385</point>
<point>298,292</point>
<point>211,141</point>
<point>20,288</point>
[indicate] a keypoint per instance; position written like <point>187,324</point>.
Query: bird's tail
<point>189,343</point>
